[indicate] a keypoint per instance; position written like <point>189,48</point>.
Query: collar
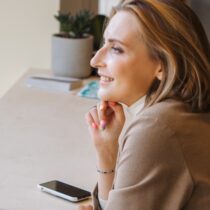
<point>135,108</point>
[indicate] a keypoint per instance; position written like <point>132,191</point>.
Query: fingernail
<point>94,125</point>
<point>102,124</point>
<point>101,107</point>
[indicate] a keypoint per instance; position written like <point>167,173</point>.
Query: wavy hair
<point>174,36</point>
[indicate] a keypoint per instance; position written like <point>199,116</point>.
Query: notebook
<point>64,84</point>
<point>90,90</point>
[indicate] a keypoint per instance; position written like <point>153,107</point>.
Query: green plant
<point>97,27</point>
<point>81,24</point>
<point>74,26</point>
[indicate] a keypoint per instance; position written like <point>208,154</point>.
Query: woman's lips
<point>106,79</point>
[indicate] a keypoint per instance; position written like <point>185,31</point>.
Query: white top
<point>134,109</point>
<point>130,112</point>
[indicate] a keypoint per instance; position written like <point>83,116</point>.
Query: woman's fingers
<point>92,117</point>
<point>118,111</point>
<point>102,109</point>
<point>94,114</point>
<point>89,207</point>
<point>103,114</point>
<point>90,121</point>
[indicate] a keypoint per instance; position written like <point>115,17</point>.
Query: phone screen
<point>66,189</point>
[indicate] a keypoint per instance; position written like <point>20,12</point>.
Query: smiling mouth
<point>106,79</point>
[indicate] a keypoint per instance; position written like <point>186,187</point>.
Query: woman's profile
<point>151,130</point>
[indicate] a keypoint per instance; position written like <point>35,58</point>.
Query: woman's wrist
<point>105,166</point>
<point>106,163</point>
<point>105,172</point>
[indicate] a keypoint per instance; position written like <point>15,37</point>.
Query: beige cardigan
<point>163,162</point>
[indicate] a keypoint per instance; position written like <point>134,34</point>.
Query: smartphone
<point>65,191</point>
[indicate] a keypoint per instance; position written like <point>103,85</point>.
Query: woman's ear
<point>159,72</point>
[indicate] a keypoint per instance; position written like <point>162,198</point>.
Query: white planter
<point>71,57</point>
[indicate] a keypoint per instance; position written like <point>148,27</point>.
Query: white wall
<point>26,27</point>
<point>106,5</point>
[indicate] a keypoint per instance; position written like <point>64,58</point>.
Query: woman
<point>151,131</point>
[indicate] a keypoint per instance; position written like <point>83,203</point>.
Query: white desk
<point>43,136</point>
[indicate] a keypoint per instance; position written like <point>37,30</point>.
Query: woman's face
<point>124,65</point>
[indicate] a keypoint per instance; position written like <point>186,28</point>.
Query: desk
<point>43,136</point>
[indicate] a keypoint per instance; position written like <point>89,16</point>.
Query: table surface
<point>43,136</point>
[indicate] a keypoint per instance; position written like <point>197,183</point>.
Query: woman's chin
<point>104,95</point>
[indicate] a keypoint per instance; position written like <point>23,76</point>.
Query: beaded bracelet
<point>105,172</point>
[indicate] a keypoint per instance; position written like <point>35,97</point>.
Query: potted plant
<point>98,23</point>
<point>72,48</point>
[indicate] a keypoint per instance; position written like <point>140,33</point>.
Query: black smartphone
<point>65,191</point>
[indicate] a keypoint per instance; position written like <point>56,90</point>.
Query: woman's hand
<point>89,207</point>
<point>105,122</point>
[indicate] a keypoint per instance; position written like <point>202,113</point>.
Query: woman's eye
<point>117,50</point>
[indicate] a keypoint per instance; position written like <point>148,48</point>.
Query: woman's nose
<point>98,61</point>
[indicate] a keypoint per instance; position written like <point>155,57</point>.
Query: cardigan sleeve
<point>151,171</point>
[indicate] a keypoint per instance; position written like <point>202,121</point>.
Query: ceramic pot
<point>71,57</point>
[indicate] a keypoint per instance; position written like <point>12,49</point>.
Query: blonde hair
<point>175,36</point>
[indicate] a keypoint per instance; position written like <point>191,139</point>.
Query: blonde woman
<point>151,131</point>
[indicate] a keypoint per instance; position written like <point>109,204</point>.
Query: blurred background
<point>26,27</point>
